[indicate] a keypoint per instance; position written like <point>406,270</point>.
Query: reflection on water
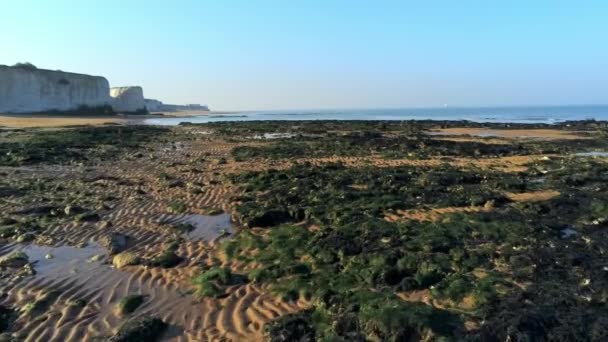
<point>592,154</point>
<point>568,232</point>
<point>208,228</point>
<point>273,136</point>
<point>54,261</point>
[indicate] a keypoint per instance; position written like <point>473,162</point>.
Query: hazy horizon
<point>273,55</point>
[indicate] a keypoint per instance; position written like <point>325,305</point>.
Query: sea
<point>536,114</point>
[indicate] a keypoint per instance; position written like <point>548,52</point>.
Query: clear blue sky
<point>323,54</point>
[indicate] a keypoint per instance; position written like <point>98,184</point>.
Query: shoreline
<point>445,126</point>
<point>15,121</point>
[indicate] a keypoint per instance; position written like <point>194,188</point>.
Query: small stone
<point>26,237</point>
<point>48,256</point>
<point>105,224</point>
<point>489,204</point>
<point>97,257</point>
<point>115,242</point>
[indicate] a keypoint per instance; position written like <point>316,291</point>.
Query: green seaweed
<point>130,303</point>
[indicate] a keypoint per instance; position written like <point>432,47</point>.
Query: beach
<point>188,223</point>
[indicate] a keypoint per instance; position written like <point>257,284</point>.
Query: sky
<point>296,54</point>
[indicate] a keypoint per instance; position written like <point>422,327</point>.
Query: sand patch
<point>541,134</point>
<point>430,214</point>
<point>97,288</point>
<point>29,121</point>
<point>494,141</point>
<point>534,196</point>
<point>435,214</point>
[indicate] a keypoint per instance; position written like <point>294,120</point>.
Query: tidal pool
<point>273,136</point>
<point>592,154</point>
<point>208,227</point>
<point>53,261</point>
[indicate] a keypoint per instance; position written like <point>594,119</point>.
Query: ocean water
<point>549,115</point>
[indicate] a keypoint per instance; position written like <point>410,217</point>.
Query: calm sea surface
<point>486,114</point>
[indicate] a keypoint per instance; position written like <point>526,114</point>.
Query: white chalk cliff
<point>30,90</point>
<point>153,105</point>
<point>127,99</point>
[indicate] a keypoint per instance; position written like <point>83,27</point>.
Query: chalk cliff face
<point>31,90</point>
<point>153,105</point>
<point>127,99</point>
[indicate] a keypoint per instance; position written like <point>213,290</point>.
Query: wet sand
<point>48,120</point>
<point>29,121</point>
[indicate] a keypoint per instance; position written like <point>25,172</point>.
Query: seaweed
<point>75,144</point>
<point>168,258</point>
<point>7,317</point>
<point>39,306</point>
<point>326,239</point>
<point>292,327</point>
<point>140,330</point>
<point>130,303</point>
<point>210,282</point>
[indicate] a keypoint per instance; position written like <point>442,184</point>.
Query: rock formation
<point>27,89</point>
<point>128,99</point>
<point>153,105</point>
<point>188,107</point>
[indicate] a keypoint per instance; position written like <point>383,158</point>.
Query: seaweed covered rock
<point>40,305</point>
<point>7,316</point>
<point>168,258</point>
<point>123,259</point>
<point>130,303</point>
<point>296,327</point>
<point>140,330</point>
<point>210,282</point>
<point>14,260</point>
<point>115,242</point>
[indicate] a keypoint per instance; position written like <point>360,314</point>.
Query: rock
<point>31,90</point>
<point>88,217</point>
<point>4,221</point>
<point>71,210</point>
<point>40,210</point>
<point>96,258</point>
<point>14,260</point>
<point>140,329</point>
<point>115,242</point>
<point>25,237</point>
<point>175,183</point>
<point>489,204</point>
<point>124,259</point>
<point>128,99</point>
<point>104,224</point>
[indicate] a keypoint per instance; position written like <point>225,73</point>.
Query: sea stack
<point>128,99</point>
<point>27,89</point>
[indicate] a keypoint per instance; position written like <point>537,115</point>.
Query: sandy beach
<point>44,120</point>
